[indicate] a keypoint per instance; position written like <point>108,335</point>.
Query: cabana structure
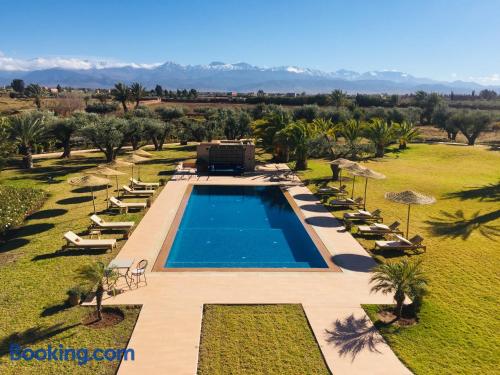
<point>226,156</point>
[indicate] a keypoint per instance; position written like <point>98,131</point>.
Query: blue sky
<point>441,39</point>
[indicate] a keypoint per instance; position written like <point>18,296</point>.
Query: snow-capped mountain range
<point>220,76</point>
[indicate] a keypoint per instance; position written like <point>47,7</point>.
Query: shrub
<point>101,108</point>
<point>16,204</point>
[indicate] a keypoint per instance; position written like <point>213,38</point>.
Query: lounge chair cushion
<point>403,240</point>
<point>363,212</point>
<point>380,226</point>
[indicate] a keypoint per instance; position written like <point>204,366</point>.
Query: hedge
<point>16,204</point>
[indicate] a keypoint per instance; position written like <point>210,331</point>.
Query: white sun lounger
<point>99,223</point>
<point>128,191</point>
<point>124,207</point>
<point>76,242</point>
<point>143,185</point>
<point>378,228</point>
<point>401,243</point>
<point>364,215</point>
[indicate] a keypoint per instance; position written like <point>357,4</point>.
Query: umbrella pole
<point>340,177</point>
<point>117,184</point>
<point>139,172</point>
<point>107,197</point>
<point>352,192</point>
<point>132,171</point>
<point>93,201</point>
<point>408,222</point>
<point>364,200</point>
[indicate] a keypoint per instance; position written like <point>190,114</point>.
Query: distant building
<point>226,156</point>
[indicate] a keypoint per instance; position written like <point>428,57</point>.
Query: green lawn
<point>34,278</point>
<point>258,339</point>
<point>458,330</point>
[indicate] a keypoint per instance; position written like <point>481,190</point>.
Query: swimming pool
<point>241,227</point>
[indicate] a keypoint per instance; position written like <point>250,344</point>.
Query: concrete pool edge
<point>159,264</point>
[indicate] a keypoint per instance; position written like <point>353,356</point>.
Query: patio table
<point>122,267</point>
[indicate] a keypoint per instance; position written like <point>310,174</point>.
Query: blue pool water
<point>241,227</point>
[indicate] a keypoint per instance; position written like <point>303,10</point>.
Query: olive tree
<point>471,124</point>
<point>107,134</point>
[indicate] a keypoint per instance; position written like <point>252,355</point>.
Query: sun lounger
<point>401,243</point>
<point>143,185</point>
<point>347,202</point>
<point>124,207</point>
<point>99,223</point>
<point>378,228</point>
<point>363,215</point>
<point>128,191</point>
<point>76,242</point>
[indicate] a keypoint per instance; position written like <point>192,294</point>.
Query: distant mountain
<point>240,77</point>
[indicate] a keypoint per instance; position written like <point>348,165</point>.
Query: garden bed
<point>258,339</point>
<point>16,204</point>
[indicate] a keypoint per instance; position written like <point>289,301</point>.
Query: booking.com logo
<point>59,353</point>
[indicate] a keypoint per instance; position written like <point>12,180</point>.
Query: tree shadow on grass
<point>30,229</point>
<point>47,214</point>
<point>353,335</point>
<point>486,193</point>
<point>75,200</point>
<point>55,309</point>
<point>455,225</point>
<point>33,335</point>
<point>86,189</point>
<point>51,174</point>
<point>68,253</point>
<point>13,244</point>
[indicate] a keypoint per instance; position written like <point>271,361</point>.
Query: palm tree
<point>401,278</point>
<point>26,129</point>
<point>121,93</point>
<point>406,133</point>
<point>381,134</point>
<point>36,92</point>
<point>137,92</point>
<point>352,131</point>
<point>329,131</point>
<point>297,135</point>
<point>338,98</point>
<point>94,274</point>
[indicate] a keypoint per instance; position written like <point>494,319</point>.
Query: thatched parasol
<point>90,181</point>
<point>105,171</point>
<point>409,197</point>
<point>354,169</point>
<point>367,173</point>
<point>342,163</point>
<point>135,159</point>
<point>142,153</point>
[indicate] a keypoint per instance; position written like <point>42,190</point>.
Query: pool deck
<point>167,334</point>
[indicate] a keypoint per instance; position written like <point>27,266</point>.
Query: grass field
<point>35,278</point>
<point>258,340</point>
<point>458,330</point>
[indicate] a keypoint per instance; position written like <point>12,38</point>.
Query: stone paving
<point>167,334</point>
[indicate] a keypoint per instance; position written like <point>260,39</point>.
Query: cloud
<point>16,64</point>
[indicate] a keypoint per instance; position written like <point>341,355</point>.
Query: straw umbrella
<point>342,163</point>
<point>354,169</point>
<point>90,181</point>
<point>409,197</point>
<point>367,173</point>
<point>105,171</point>
<point>135,159</point>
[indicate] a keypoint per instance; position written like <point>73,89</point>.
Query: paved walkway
<point>167,333</point>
